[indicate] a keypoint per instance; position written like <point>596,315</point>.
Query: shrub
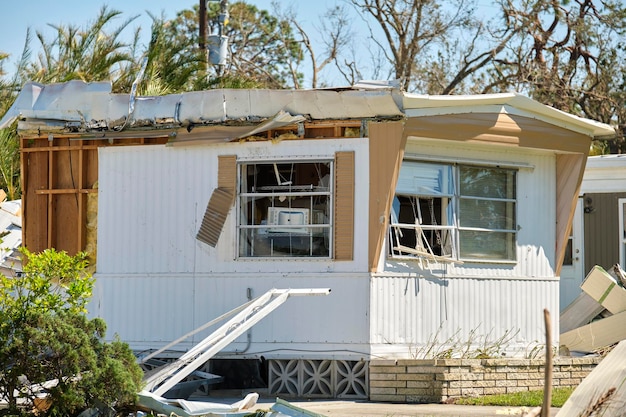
<point>47,338</point>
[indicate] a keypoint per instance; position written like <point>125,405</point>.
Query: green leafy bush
<point>47,338</point>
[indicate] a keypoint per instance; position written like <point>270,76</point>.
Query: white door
<point>572,273</point>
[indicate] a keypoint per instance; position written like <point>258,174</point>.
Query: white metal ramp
<point>166,377</point>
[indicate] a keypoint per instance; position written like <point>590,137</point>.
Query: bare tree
<point>569,55</point>
<point>411,31</point>
<point>334,28</point>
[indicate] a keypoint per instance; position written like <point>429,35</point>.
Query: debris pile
<point>595,319</point>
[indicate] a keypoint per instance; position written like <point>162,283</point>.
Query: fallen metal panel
<point>182,408</point>
<point>284,408</point>
<point>215,216</point>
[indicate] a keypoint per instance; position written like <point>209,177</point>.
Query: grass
<point>519,399</point>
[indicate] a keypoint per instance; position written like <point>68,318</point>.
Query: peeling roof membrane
<point>88,108</point>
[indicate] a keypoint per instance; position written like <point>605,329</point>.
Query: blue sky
<point>37,14</point>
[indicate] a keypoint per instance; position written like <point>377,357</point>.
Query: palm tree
<point>89,54</point>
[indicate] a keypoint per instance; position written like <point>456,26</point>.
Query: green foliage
<point>261,47</point>
<point>45,336</point>
<point>10,163</point>
<point>92,53</point>
<point>519,399</point>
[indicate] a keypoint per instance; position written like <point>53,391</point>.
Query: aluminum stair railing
<point>165,378</point>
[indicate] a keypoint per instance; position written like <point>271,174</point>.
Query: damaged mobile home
<point>425,215</point>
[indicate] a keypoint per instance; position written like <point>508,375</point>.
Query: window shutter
<point>344,206</point>
<point>220,202</point>
<point>227,172</point>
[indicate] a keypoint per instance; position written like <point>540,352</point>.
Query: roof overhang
<point>506,103</point>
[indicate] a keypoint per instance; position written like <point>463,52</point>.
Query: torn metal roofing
<point>80,107</point>
<point>89,108</point>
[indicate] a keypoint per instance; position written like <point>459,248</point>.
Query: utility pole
<point>202,28</point>
<point>202,18</point>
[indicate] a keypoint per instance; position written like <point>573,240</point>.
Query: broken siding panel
<point>344,206</point>
<point>598,334</point>
<point>215,216</point>
<point>221,201</point>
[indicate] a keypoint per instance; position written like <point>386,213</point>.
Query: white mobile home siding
<point>166,283</point>
<point>409,311</point>
<point>412,305</point>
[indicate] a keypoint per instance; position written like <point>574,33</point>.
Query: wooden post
<point>547,385</point>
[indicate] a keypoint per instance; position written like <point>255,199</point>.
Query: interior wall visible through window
<point>285,209</point>
<point>448,212</point>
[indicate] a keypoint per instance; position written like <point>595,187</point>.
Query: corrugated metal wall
<point>413,303</point>
<point>156,281</point>
<point>408,311</point>
<point>151,310</point>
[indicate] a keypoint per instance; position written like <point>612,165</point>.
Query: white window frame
<point>449,234</point>
<point>312,224</point>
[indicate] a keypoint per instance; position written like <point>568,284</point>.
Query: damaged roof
<point>82,107</point>
<point>91,108</point>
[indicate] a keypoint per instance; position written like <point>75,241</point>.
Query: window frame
<point>453,215</point>
<point>241,196</point>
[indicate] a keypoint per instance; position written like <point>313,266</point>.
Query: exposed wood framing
<point>314,130</point>
<point>57,175</point>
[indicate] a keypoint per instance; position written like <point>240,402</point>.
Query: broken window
<point>285,209</point>
<point>449,212</point>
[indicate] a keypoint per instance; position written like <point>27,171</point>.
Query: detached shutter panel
<point>344,206</point>
<point>220,202</point>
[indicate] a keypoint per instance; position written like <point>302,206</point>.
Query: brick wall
<point>437,380</point>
